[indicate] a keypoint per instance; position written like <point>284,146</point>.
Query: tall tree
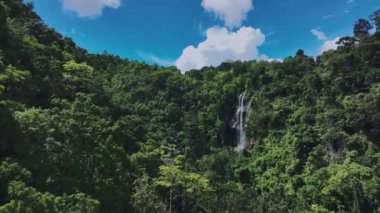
<point>362,28</point>
<point>375,18</point>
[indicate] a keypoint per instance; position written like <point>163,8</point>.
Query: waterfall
<point>242,115</point>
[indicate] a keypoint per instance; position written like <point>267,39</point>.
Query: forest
<point>82,132</point>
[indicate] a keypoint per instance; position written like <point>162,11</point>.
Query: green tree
<point>27,199</point>
<point>3,22</point>
<point>76,77</point>
<point>145,198</point>
<point>362,28</point>
<point>185,190</point>
<point>375,18</point>
<point>10,80</point>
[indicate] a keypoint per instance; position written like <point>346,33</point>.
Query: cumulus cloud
<point>221,45</point>
<point>319,34</point>
<point>232,12</point>
<point>89,8</point>
<point>329,45</point>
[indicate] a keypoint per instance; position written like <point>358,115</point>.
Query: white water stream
<point>242,116</point>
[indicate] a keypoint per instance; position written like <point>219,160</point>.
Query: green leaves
<point>75,127</point>
<point>189,186</point>
<point>3,22</point>
<point>346,187</point>
<point>28,199</point>
<point>11,77</point>
<point>77,70</point>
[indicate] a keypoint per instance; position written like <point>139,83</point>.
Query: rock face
<point>228,134</point>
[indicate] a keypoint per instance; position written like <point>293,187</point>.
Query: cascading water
<point>242,115</point>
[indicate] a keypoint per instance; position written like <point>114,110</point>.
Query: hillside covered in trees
<point>82,132</point>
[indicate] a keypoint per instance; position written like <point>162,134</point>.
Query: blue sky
<point>194,33</point>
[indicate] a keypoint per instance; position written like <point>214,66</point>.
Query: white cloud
<point>328,16</point>
<point>161,62</point>
<point>222,45</point>
<point>150,58</point>
<point>264,57</point>
<point>89,8</point>
<point>329,45</point>
<point>232,12</point>
<point>201,30</point>
<point>319,34</point>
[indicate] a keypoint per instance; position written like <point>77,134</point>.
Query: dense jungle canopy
<point>82,132</point>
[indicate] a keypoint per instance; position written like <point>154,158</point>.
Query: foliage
<point>84,132</point>
<point>27,199</point>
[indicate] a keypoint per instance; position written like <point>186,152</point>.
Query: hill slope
<point>96,133</point>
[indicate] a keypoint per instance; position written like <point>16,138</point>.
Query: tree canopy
<point>82,132</point>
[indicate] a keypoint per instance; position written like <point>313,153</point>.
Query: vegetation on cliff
<point>83,132</point>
